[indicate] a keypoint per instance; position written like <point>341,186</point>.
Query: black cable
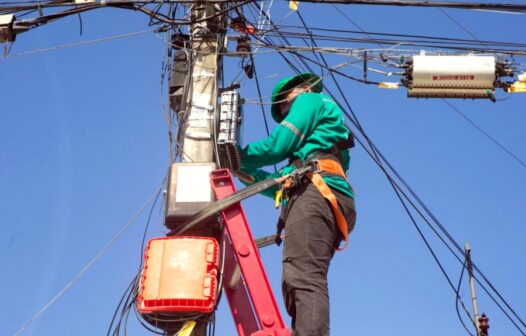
<point>292,65</point>
<point>457,299</point>
<point>456,245</point>
<point>447,234</point>
<point>408,43</point>
<point>130,289</point>
<point>370,34</point>
<point>437,222</point>
<point>502,147</point>
<point>406,3</point>
<point>309,36</point>
<point>218,206</point>
<point>460,25</point>
<point>128,301</point>
<point>148,225</point>
<point>30,24</point>
<point>253,64</point>
<point>460,44</point>
<point>355,24</point>
<point>259,94</point>
<point>124,295</point>
<point>390,180</point>
<point>80,23</point>
<point>403,203</point>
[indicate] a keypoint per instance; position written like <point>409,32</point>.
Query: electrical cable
<point>442,228</point>
<point>502,147</point>
<point>77,44</point>
<point>253,64</point>
<point>426,38</point>
<point>498,294</point>
<point>122,299</point>
<point>372,146</point>
<point>458,24</point>
<point>460,5</point>
<point>128,292</point>
<point>87,266</point>
<point>407,43</point>
<point>438,224</point>
<point>393,185</point>
<point>457,299</point>
<point>30,24</point>
<point>438,262</point>
<point>354,23</point>
<point>166,67</point>
<point>454,243</point>
<point>218,206</point>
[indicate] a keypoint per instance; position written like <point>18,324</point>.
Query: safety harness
<point>326,164</point>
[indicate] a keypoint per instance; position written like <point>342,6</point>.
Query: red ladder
<point>249,294</point>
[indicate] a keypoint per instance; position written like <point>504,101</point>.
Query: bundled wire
<point>408,198</point>
<point>155,14</point>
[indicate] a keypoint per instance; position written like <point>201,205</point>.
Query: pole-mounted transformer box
<point>188,191</point>
<point>229,130</point>
<point>465,76</point>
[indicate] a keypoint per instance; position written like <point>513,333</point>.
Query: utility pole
<point>205,37</point>
<point>469,266</point>
<point>188,190</point>
<point>188,187</point>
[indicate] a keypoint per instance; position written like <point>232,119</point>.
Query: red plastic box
<point>179,275</point>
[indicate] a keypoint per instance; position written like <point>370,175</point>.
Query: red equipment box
<point>179,275</point>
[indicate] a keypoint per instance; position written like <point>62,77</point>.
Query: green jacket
<point>314,123</point>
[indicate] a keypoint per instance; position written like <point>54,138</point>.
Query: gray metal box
<point>188,191</point>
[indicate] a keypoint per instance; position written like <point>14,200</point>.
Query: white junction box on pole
<point>466,76</point>
<point>229,133</point>
<point>6,28</point>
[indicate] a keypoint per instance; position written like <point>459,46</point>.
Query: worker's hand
<point>245,177</point>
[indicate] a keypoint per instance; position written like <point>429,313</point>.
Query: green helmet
<point>289,83</point>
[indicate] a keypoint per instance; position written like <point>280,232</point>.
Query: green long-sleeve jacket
<point>314,123</point>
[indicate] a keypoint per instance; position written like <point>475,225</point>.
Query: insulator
<point>180,41</point>
<point>243,45</point>
<point>7,33</point>
<point>484,325</point>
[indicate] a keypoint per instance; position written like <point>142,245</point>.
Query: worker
<point>311,132</point>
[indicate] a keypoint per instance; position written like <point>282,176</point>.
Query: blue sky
<point>84,144</point>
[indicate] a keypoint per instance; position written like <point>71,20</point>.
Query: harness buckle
<point>314,166</point>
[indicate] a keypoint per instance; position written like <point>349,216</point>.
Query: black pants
<point>311,235</point>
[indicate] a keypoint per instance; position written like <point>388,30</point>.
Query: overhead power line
<point>77,44</point>
<point>427,216</point>
<point>496,142</point>
<point>460,5</point>
<point>471,122</point>
<point>428,38</point>
<point>90,263</point>
<point>467,46</point>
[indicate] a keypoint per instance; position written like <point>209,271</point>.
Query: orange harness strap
<point>333,167</point>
